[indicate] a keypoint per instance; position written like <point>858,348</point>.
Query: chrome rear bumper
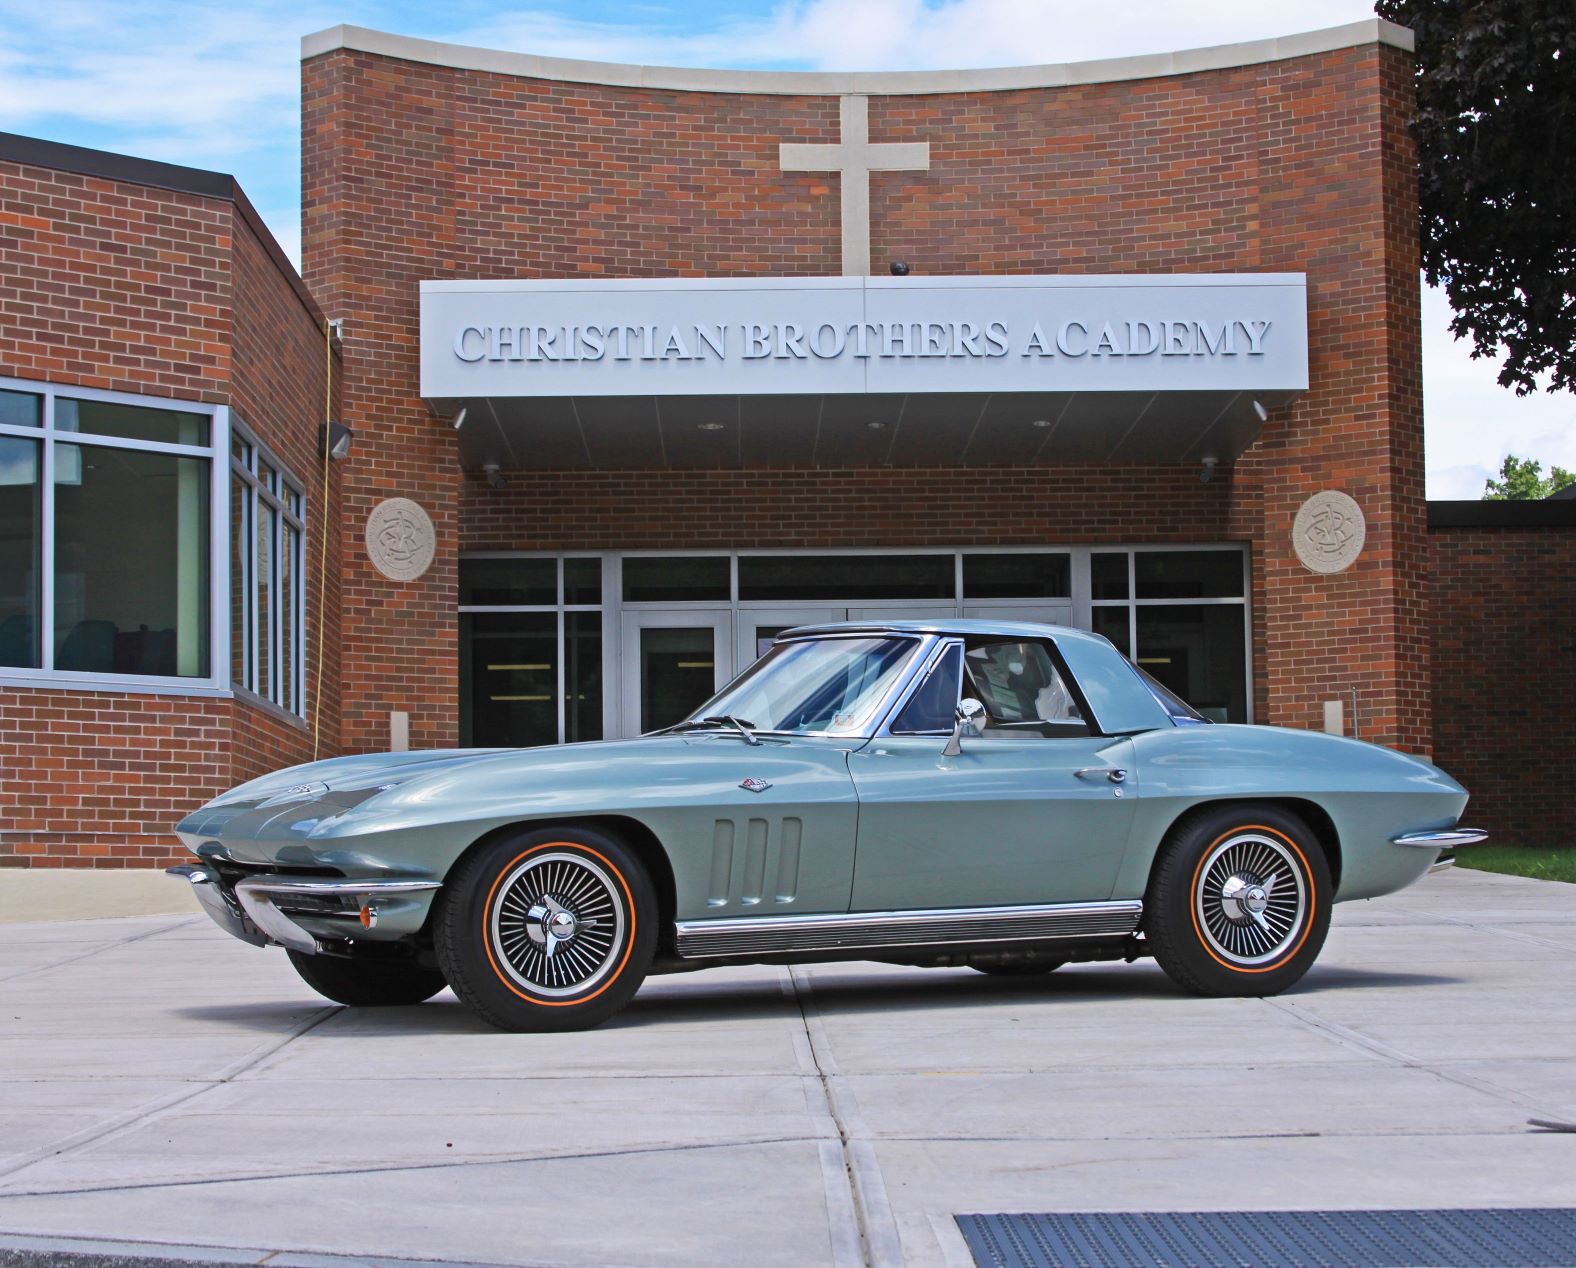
<point>254,914</point>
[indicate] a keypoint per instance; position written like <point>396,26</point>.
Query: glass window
<point>241,634</point>
<point>509,582</point>
<point>933,708</point>
<point>21,527</point>
<point>131,422</point>
<point>871,577</point>
<point>582,675</point>
<point>1108,575</point>
<point>1199,652</point>
<point>1187,574</point>
<point>267,577</point>
<point>21,409</point>
<point>513,676</point>
<point>1017,576</point>
<point>582,580</point>
<point>676,579</point>
<point>677,668</point>
<point>827,684</point>
<point>1022,690</point>
<point>289,613</point>
<point>131,562</point>
<point>1112,623</point>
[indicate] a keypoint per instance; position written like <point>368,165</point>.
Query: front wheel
<point>552,929</point>
<point>367,983</point>
<point>1239,902</point>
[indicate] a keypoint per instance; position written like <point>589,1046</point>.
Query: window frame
<point>215,452</point>
<point>260,496</point>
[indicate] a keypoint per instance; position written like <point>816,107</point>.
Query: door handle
<point>1113,773</point>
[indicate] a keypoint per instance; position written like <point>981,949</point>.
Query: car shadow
<point>850,989</point>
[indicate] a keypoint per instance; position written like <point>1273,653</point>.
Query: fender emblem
<point>755,785</point>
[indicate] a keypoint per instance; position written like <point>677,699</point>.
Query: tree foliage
<point>1522,480</point>
<point>1495,124</point>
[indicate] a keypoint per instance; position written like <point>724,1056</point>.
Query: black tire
<point>1239,901</point>
<point>367,983</point>
<point>1020,968</point>
<point>551,929</point>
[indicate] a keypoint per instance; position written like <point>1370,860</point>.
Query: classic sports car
<point>1006,797</point>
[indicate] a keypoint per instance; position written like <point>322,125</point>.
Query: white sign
<point>753,336</point>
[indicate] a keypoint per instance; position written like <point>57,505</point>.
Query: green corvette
<point>1006,797</point>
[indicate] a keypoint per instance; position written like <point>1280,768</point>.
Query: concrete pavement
<point>162,1083</point>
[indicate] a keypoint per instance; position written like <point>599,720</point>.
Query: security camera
<point>1208,472</point>
<point>898,268</point>
<point>493,474</point>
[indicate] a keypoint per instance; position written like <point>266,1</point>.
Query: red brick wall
<point>97,779</point>
<point>414,171</point>
<point>115,285</point>
<point>1504,676</point>
<point>647,510</point>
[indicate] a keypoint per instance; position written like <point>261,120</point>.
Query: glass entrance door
<point>758,627</point>
<point>673,661</point>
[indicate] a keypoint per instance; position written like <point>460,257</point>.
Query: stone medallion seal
<point>400,539</point>
<point>1329,531</point>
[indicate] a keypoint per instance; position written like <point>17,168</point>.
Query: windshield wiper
<point>696,724</point>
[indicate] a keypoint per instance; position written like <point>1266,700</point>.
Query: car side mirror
<point>969,710</point>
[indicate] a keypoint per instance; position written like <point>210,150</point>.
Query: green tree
<point>1522,480</point>
<point>1495,124</point>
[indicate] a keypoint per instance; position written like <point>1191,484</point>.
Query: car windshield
<point>825,684</point>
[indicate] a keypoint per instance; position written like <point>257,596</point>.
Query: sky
<point>209,84</point>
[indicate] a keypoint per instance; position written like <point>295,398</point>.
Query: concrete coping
<point>873,83</point>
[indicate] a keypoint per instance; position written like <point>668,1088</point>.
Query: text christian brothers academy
<point>750,341</point>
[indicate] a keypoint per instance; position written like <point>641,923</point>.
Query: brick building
<point>162,381</point>
<point>645,365</point>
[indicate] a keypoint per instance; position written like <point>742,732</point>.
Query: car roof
<point>951,625</point>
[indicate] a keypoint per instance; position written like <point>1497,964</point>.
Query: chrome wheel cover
<point>557,923</point>
<point>1251,899</point>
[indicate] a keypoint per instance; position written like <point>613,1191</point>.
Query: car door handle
<point>1114,773</point>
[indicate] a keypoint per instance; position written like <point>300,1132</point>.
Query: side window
<point>933,707</point>
<point>1022,690</point>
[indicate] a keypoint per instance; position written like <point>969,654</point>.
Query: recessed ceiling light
<point>1041,422</point>
<point>876,426</point>
<point>708,426</point>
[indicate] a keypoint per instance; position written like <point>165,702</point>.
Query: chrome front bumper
<point>1441,839</point>
<point>254,914</point>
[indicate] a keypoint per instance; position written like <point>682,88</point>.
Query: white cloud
<point>910,34</point>
<point>1471,423</point>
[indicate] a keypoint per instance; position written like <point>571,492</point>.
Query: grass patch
<point>1537,862</point>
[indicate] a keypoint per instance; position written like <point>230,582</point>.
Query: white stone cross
<point>854,158</point>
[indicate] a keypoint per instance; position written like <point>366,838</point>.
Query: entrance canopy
<point>743,372</point>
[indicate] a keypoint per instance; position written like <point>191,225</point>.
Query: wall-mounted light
<point>336,440</point>
<point>459,418</point>
<point>1263,414</point>
<point>708,426</point>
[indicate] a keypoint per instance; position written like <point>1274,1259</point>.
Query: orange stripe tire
<point>1238,901</point>
<point>550,929</point>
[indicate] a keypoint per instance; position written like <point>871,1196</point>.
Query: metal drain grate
<point>1530,1238</point>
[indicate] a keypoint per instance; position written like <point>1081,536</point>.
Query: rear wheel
<point>1239,902</point>
<point>367,983</point>
<point>552,929</point>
